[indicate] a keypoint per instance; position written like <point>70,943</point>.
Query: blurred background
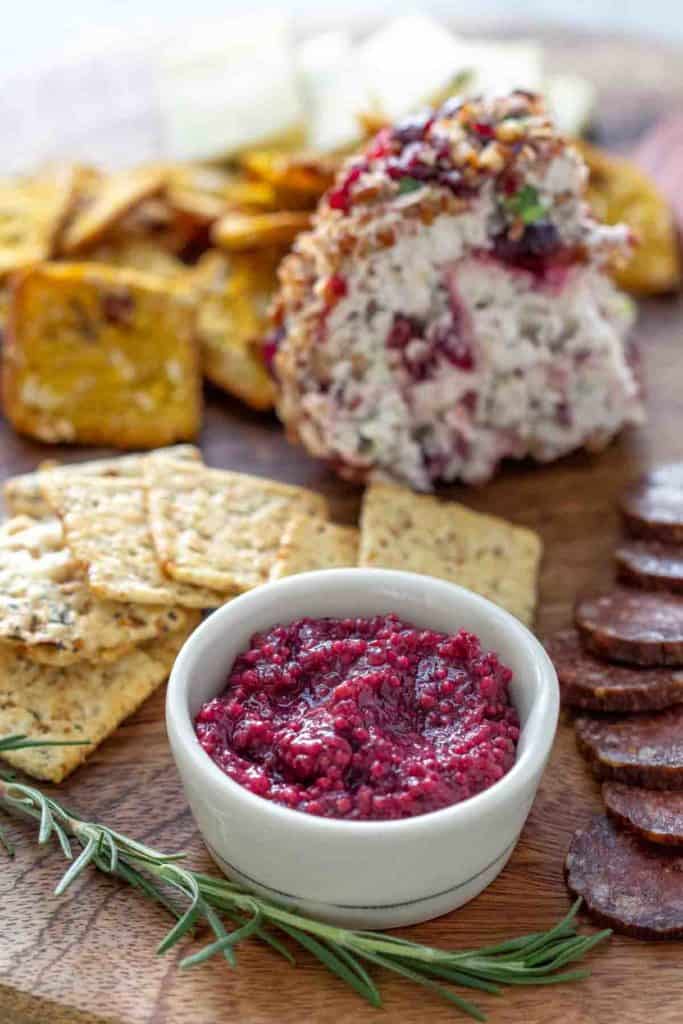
<point>41,30</point>
<point>99,80</point>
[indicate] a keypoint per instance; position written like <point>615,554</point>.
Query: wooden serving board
<point>89,956</point>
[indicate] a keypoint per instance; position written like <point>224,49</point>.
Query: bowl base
<point>397,915</point>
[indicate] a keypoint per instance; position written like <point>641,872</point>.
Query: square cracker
<point>105,524</point>
<point>23,494</point>
<point>101,355</point>
<point>219,529</point>
<point>83,701</point>
<point>419,533</point>
<point>310,543</point>
<point>47,609</point>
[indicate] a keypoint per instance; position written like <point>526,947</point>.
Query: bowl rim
<point>541,721</point>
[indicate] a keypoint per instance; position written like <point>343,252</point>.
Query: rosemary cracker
<point>310,543</point>
<point>220,529</point>
<point>83,701</point>
<point>48,610</point>
<point>105,524</point>
<point>23,494</point>
<point>419,533</point>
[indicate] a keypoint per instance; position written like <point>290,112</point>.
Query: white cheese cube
<point>498,68</point>
<point>571,100</point>
<point>229,85</point>
<point>334,89</point>
<point>408,63</point>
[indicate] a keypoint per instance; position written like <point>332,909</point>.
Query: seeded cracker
<point>101,355</point>
<point>220,529</point>
<point>23,494</point>
<point>418,533</point>
<point>105,524</point>
<point>81,702</point>
<point>309,543</point>
<point>47,609</point>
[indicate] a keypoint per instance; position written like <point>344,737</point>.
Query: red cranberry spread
<point>363,719</point>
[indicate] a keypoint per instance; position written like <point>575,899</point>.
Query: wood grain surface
<point>88,957</point>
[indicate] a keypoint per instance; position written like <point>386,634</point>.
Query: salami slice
<point>651,564</point>
<point>653,815</point>
<point>635,626</point>
<point>643,750</point>
<point>595,685</point>
<point>631,886</point>
<point>653,507</point>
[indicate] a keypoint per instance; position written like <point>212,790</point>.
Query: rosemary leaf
<point>460,978</point>
<point>21,742</point>
<point>360,971</point>
<point>220,933</point>
<point>86,855</point>
<point>331,960</point>
<point>413,975</point>
<point>226,941</point>
<point>138,881</point>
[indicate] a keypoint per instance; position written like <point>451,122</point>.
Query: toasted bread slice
<point>234,295</point>
<point>97,355</point>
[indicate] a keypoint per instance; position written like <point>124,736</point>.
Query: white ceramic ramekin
<point>364,874</point>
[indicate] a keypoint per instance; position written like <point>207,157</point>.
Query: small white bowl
<point>361,873</point>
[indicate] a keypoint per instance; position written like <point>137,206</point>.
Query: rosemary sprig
<point>195,898</point>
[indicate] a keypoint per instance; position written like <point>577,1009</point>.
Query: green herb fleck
<point>526,204</point>
<point>407,184</point>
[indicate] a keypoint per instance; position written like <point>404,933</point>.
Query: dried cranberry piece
<point>456,349</point>
<point>411,163</point>
<point>339,198</point>
<point>381,145</point>
<point>403,330</point>
<point>337,285</point>
<point>484,131</point>
<point>270,345</point>
<point>414,128</point>
<point>451,179</point>
<point>563,415</point>
<point>535,250</point>
<point>118,307</point>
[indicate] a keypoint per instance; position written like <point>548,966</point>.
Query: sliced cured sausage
<point>643,750</point>
<point>653,815</point>
<point>653,507</point>
<point>651,564</point>
<point>635,626</point>
<point>595,685</point>
<point>631,886</point>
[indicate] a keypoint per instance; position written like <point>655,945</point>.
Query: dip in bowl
<point>412,857</point>
<point>363,718</point>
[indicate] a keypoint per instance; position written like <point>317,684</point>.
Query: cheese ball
<point>451,306</point>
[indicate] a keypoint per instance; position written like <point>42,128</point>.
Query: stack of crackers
<point>106,566</point>
<point>118,292</point>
